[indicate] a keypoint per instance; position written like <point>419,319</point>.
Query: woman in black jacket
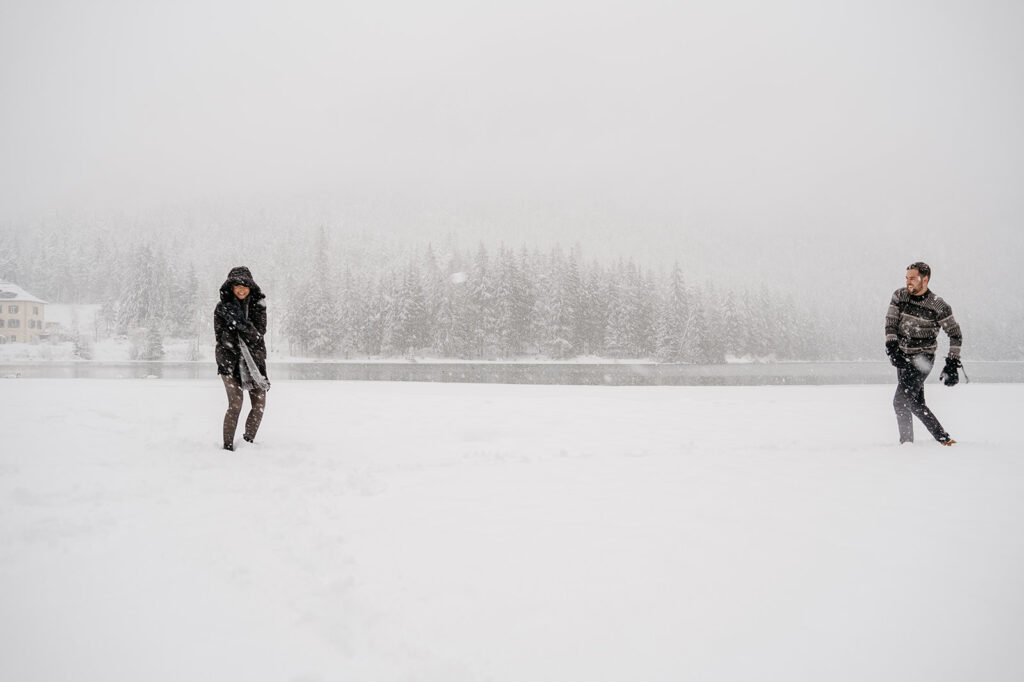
<point>240,323</point>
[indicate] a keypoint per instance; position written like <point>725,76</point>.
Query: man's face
<point>241,291</point>
<point>916,284</point>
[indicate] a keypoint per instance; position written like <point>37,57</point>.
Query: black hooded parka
<point>234,318</point>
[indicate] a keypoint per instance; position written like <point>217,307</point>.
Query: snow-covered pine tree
<point>617,332</point>
<point>10,249</point>
<point>799,335</point>
<point>577,294</point>
<point>733,328</point>
<point>449,334</point>
<point>760,338</point>
<point>560,307</point>
<point>348,306</point>
<point>377,315</point>
<point>695,347</point>
<point>481,317</point>
<point>506,304</point>
<point>433,287</point>
<point>524,294</point>
<point>295,321</point>
<point>154,347</point>
<point>715,340</point>
<point>134,305</point>
<point>321,307</point>
<point>53,272</point>
<point>673,313</point>
<point>406,329</point>
<point>643,324</point>
<point>191,305</point>
<point>595,309</point>
<point>82,346</point>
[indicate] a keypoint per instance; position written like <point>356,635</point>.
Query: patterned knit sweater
<point>914,321</point>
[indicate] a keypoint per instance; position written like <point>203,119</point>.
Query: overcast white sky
<point>774,120</point>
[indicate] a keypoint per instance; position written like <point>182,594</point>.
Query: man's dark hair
<point>922,269</point>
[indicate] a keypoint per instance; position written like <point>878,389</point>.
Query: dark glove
<point>896,357</point>
<point>233,315</point>
<point>235,319</point>
<point>949,375</point>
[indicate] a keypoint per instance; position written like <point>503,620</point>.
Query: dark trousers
<point>909,399</point>
<point>258,400</point>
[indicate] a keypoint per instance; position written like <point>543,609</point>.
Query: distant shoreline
<point>624,373</point>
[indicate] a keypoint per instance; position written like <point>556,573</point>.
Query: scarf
<point>249,372</point>
<point>247,369</point>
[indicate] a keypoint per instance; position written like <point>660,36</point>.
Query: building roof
<point>12,292</point>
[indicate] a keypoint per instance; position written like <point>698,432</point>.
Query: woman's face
<point>241,291</point>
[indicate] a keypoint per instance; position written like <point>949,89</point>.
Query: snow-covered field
<point>394,531</point>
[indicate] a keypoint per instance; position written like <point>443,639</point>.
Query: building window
<point>13,324</point>
<point>1,324</point>
<point>35,310</point>
<point>14,338</point>
<point>12,309</point>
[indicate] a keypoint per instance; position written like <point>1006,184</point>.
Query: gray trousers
<point>258,400</point>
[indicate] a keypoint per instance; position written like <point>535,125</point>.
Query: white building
<point>22,315</point>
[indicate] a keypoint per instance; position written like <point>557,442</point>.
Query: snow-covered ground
<point>396,531</point>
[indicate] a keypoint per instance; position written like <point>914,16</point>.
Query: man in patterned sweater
<point>911,331</point>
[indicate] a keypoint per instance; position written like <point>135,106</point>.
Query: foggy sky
<point>818,132</point>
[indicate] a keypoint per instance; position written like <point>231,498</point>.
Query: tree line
<point>338,298</point>
<point>505,303</point>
